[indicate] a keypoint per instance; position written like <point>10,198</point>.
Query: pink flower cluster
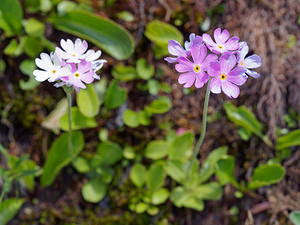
<point>73,65</point>
<point>227,65</point>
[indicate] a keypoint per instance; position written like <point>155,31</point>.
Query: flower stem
<point>203,131</point>
<point>70,123</point>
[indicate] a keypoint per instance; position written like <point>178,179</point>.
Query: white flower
<point>73,52</point>
<point>51,68</point>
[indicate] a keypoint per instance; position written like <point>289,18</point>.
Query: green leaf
<point>124,73</point>
<point>265,175</point>
<point>104,33</point>
<point>109,153</point>
<point>126,16</point>
<point>51,122</point>
<point>160,32</point>
<point>34,27</point>
<point>88,102</point>
<point>208,166</point>
<point>138,174</point>
<point>182,147</point>
<point>9,208</point>
<point>25,168</point>
<point>65,7</point>
<point>81,165</point>
<point>157,149</point>
<point>94,190</point>
<point>244,133</point>
<point>175,169</point>
<point>210,191</point>
<point>185,198</point>
<point>115,95</point>
<point>131,118</point>
<point>144,118</point>
<point>289,140</point>
<point>295,217</point>
<point>153,86</point>
<point>160,196</point>
<point>145,72</point>
<point>79,121</point>
<point>243,117</point>
<point>59,156</point>
<point>161,105</point>
<point>225,170</point>
<point>14,48</point>
<point>141,207</point>
<point>27,67</point>
<point>155,176</point>
<point>32,46</point>
<point>12,14</point>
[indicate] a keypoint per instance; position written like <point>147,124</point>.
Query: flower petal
<point>171,59</point>
<point>201,79</point>
<point>253,61</point>
<point>41,75</point>
<point>175,48</point>
<point>207,39</point>
<point>187,79</point>
<point>232,44</point>
<point>210,58</point>
<point>80,46</point>
<point>230,89</point>
<point>221,38</point>
<point>243,51</point>
<point>198,53</point>
<point>214,69</point>
<point>183,68</point>
<point>68,45</point>
<point>252,73</point>
<point>185,61</point>
<point>215,86</point>
<point>237,71</point>
<point>227,62</point>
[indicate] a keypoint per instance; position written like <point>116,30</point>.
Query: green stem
<point>203,131</point>
<point>70,123</point>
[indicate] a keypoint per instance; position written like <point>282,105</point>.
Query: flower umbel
<point>228,68</point>
<point>73,66</point>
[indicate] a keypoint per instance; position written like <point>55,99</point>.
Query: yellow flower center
<point>223,76</point>
<point>76,74</point>
<point>53,71</point>
<point>220,47</point>
<point>73,55</point>
<point>242,63</point>
<point>197,68</point>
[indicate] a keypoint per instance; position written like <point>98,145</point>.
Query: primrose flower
<point>225,77</point>
<point>72,52</point>
<point>79,73</point>
<point>221,44</point>
<point>194,72</point>
<point>177,50</point>
<point>251,62</point>
<point>51,68</point>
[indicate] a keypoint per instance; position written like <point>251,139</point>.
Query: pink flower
<point>225,77</point>
<point>221,44</point>
<point>195,72</point>
<point>81,73</point>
